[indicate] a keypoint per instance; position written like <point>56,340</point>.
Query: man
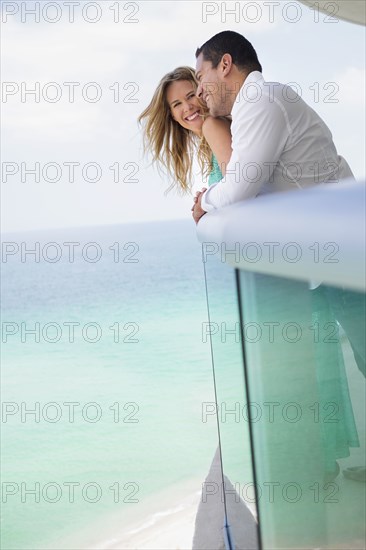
<point>279,143</point>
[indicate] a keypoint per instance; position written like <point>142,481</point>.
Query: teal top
<point>215,174</point>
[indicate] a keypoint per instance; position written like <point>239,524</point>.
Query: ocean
<point>104,372</point>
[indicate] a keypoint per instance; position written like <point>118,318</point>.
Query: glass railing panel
<point>222,330</point>
<point>306,380</point>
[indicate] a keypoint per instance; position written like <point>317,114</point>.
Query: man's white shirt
<point>279,143</point>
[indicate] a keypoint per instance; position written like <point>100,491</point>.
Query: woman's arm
<point>218,136</point>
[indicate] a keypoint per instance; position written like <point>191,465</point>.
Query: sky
<point>94,67</point>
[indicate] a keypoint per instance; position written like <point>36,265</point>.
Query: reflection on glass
<point>289,369</point>
<point>305,357</point>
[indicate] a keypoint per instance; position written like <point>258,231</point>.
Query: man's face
<point>212,88</point>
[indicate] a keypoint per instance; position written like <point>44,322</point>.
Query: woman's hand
<point>197,211</point>
<point>198,194</point>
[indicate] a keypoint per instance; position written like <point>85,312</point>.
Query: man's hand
<point>197,211</point>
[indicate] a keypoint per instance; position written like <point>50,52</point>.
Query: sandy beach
<point>167,530</point>
<point>163,521</point>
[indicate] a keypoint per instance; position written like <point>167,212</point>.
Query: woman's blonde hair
<point>172,146</point>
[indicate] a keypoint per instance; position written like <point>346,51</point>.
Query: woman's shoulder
<point>215,123</point>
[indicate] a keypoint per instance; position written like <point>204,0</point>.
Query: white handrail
<point>313,234</point>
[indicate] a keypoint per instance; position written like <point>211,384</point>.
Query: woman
<point>178,127</point>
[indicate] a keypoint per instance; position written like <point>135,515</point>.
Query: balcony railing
<point>287,329</point>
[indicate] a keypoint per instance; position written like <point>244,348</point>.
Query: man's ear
<point>226,63</point>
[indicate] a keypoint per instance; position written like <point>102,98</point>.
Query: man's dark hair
<point>242,52</point>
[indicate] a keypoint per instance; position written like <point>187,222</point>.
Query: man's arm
<point>259,134</point>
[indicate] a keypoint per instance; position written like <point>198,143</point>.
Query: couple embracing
<point>253,137</point>
<point>250,136</point>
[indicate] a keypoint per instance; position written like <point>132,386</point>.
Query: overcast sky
<point>125,54</point>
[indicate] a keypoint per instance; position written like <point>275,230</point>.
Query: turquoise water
<point>117,410</point>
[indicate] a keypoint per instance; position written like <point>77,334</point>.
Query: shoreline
<point>163,521</point>
<point>170,529</point>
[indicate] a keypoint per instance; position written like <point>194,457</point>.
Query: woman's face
<point>184,105</point>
